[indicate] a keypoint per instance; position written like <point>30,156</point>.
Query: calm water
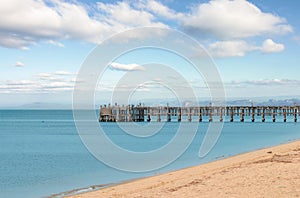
<point>42,154</point>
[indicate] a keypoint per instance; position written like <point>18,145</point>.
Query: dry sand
<point>272,172</point>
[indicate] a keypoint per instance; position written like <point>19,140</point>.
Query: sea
<point>42,155</point>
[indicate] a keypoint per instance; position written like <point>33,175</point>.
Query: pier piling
<point>263,114</point>
<point>253,115</point>
<point>200,115</point>
<point>242,115</point>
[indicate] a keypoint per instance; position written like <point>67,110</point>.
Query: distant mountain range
<point>173,102</point>
<point>228,102</point>
<point>270,102</point>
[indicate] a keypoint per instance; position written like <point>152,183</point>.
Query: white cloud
<point>231,19</point>
<point>56,43</point>
<point>44,75</point>
<point>20,82</point>
<point>58,76</point>
<point>269,46</point>
<point>230,48</point>
<point>41,83</point>
<point>239,48</point>
<point>125,67</point>
<point>27,22</point>
<point>17,86</point>
<point>123,13</point>
<point>267,82</point>
<point>12,40</point>
<point>64,73</point>
<point>159,9</point>
<point>19,64</point>
<point>57,86</point>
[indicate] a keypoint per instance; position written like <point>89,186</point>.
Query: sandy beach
<point>271,172</point>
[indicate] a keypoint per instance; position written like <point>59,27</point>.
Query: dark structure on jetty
<point>141,113</point>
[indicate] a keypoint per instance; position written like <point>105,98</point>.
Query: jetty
<point>140,113</point>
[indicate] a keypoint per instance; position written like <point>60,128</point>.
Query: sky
<point>255,46</point>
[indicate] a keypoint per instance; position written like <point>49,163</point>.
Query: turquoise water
<point>41,152</point>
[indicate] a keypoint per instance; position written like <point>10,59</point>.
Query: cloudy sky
<point>254,44</point>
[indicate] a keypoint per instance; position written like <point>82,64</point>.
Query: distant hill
<point>172,102</point>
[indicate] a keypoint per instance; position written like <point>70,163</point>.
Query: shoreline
<point>80,191</point>
<point>197,178</point>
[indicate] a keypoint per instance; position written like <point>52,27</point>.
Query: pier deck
<point>131,113</point>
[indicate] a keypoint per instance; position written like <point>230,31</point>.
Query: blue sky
<point>254,44</point>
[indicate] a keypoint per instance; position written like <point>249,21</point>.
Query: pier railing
<point>140,113</point>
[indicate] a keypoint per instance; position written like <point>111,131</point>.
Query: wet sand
<point>271,172</point>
